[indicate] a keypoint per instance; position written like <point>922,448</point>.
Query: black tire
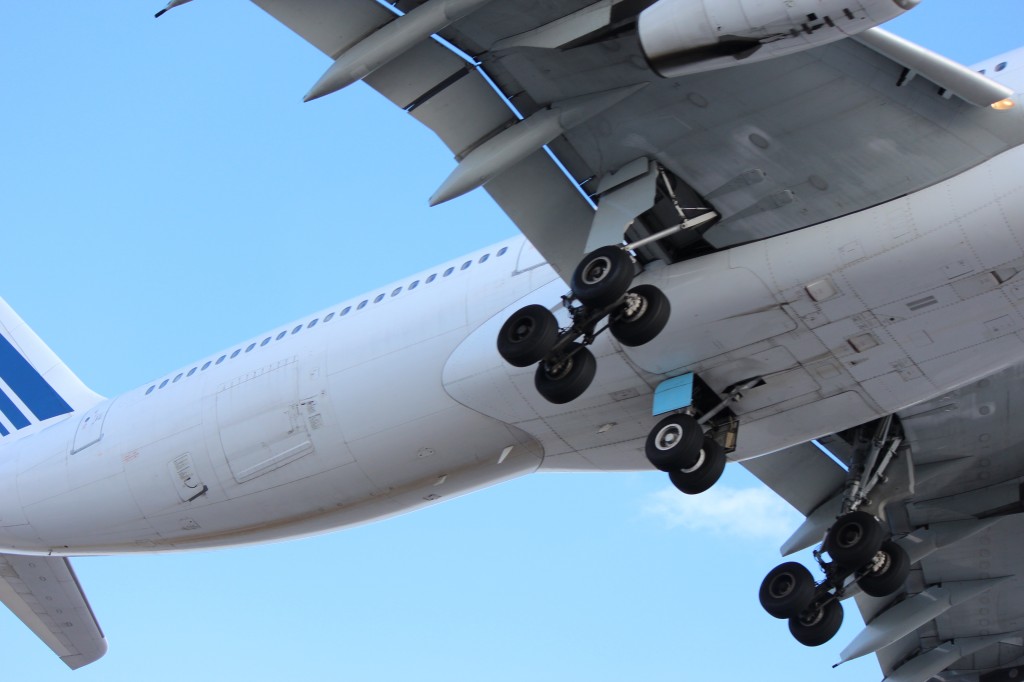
<point>854,539</point>
<point>527,336</point>
<point>674,443</point>
<point>787,590</point>
<point>891,575</point>
<point>566,378</point>
<point>704,474</point>
<point>602,277</point>
<point>642,319</point>
<point>818,624</point>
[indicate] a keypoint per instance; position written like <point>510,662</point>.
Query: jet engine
<point>681,37</point>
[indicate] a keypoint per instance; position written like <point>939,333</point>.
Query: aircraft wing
<point>961,612</point>
<point>772,146</point>
<point>44,593</point>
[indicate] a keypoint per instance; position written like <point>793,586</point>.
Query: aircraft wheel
<point>890,575</point>
<point>566,378</point>
<point>817,624</point>
<point>704,473</point>
<point>854,539</point>
<point>645,314</point>
<point>787,590</point>
<point>674,443</point>
<point>602,277</point>
<point>527,336</point>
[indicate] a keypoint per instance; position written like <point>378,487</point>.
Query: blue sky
<point>164,193</point>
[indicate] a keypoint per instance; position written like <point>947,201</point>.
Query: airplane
<point>73,394</point>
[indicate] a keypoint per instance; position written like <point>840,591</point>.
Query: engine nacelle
<point>681,37</point>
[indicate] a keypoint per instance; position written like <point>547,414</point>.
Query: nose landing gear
<point>600,291</point>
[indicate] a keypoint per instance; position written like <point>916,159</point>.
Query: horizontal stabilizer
<point>44,593</point>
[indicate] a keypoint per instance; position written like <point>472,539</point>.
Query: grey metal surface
<point>44,593</point>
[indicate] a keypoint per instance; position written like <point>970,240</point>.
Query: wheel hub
<point>522,330</point>
<point>596,270</point>
<point>668,437</point>
<point>849,535</point>
<point>782,586</point>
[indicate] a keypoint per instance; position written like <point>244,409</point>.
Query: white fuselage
<point>404,401</point>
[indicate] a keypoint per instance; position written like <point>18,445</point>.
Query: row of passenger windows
<point>312,323</point>
<point>1001,66</point>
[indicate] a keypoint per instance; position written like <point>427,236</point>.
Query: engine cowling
<point>681,37</point>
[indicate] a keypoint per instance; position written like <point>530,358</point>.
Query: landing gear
<point>600,289</point>
<point>818,623</point>
<point>860,552</point>
<point>528,335</point>
<point>644,314</point>
<point>675,443</point>
<point>704,473</point>
<point>564,378</point>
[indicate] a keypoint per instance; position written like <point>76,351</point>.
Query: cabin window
<point>431,278</point>
<point>346,311</point>
<point>502,251</point>
<point>1000,66</point>
<point>330,316</point>
<point>150,389</point>
<point>415,283</point>
<point>163,383</point>
<point>466,265</point>
<point>362,304</point>
<point>379,298</point>
<point>282,335</point>
<point>313,323</point>
<point>221,359</point>
<point>448,271</point>
<point>206,365</point>
<point>235,354</point>
<point>397,291</point>
<point>177,378</point>
<point>483,258</point>
<point>250,347</point>
<point>191,371</point>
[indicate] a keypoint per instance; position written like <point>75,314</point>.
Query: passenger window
<point>330,316</point>
<point>208,363</point>
<point>222,358</point>
<point>281,335</point>
<point>448,272</point>
<point>264,342</point>
<point>397,291</point>
<point>191,372</point>
<point>415,283</point>
<point>466,265</point>
<point>362,304</point>
<point>312,324</point>
<point>177,378</point>
<point>297,329</point>
<point>346,311</point>
<point>502,251</point>
<point>483,258</point>
<point>1000,66</point>
<point>235,354</point>
<point>379,298</point>
<point>251,346</point>
<point>150,389</point>
<point>163,383</point>
<point>431,278</point>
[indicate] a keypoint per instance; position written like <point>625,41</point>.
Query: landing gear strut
<point>860,551</point>
<point>600,291</point>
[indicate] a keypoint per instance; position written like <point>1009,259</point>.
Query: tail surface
<point>34,384</point>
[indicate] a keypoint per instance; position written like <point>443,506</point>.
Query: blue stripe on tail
<point>12,412</point>
<point>3,431</point>
<point>29,386</point>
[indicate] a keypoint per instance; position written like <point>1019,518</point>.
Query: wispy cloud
<point>750,513</point>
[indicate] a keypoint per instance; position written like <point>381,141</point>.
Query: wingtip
<point>160,13</point>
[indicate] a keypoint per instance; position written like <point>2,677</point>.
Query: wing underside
<point>960,614</point>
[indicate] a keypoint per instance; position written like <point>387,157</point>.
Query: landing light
<point>1004,105</point>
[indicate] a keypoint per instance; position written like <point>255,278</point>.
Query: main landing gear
<point>860,550</point>
<point>600,291</point>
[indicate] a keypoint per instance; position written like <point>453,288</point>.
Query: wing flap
<point>332,26</point>
<point>44,593</point>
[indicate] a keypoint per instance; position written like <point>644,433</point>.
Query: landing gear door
<point>90,427</point>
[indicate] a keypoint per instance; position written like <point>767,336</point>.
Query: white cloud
<point>751,513</point>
